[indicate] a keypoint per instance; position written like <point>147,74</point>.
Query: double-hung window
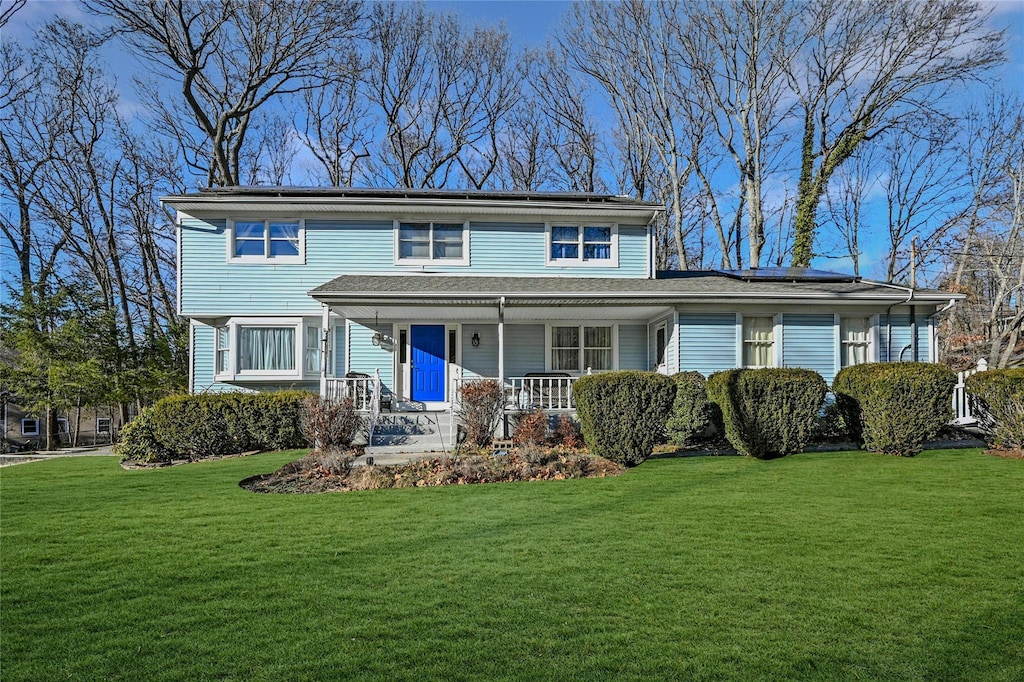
<point>271,241</point>
<point>432,242</point>
<point>580,348</point>
<point>758,341</point>
<point>854,340</point>
<point>30,427</point>
<point>312,354</point>
<point>582,244</point>
<point>222,353</point>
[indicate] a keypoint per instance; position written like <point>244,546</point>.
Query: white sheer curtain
<point>758,341</point>
<point>284,239</point>
<point>597,348</point>
<point>855,333</point>
<point>266,348</point>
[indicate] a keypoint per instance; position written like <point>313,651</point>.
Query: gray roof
<point>674,288</point>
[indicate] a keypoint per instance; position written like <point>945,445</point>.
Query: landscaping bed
<point>320,472</point>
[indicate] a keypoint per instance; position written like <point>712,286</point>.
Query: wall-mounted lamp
<point>377,338</point>
<point>475,340</point>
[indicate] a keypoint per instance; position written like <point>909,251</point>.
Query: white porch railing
<point>360,390</point>
<point>961,403</point>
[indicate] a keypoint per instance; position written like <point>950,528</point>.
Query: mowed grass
<point>817,566</point>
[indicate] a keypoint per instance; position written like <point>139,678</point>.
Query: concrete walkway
<point>11,458</point>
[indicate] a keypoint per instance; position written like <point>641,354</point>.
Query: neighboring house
<point>288,287</point>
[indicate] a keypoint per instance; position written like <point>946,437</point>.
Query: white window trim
<point>236,374</point>
<point>278,260</point>
<point>35,427</point>
<point>661,366</point>
<point>579,262</point>
<point>777,330</point>
<point>110,424</point>
<point>63,427</point>
<point>464,261</point>
<point>576,323</point>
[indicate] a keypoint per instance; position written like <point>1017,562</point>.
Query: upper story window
<point>855,340</point>
<point>421,243</point>
<point>758,342</point>
<point>266,241</point>
<point>593,245</point>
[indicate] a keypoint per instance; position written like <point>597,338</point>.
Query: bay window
<point>577,348</point>
<point>222,337</point>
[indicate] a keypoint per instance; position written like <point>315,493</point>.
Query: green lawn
<point>830,566</point>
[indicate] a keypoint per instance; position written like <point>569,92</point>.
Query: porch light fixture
<point>475,340</point>
<point>377,338</point>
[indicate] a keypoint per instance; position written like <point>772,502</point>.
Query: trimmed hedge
<point>894,408</point>
<point>692,412</point>
<point>997,400</point>
<point>768,412</point>
<point>215,424</point>
<point>623,413</point>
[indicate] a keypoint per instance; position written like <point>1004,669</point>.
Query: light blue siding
<point>524,349</point>
<point>923,335</point>
<point>483,360</point>
<point>889,351</point>
<point>633,346</point>
<point>707,342</point>
<point>809,341</point>
<point>365,357</point>
<point>212,286</point>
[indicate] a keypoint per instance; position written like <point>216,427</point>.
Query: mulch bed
<point>332,472</point>
<point>130,465</point>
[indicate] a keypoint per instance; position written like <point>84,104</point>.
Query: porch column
<point>501,343</point>
<point>325,342</point>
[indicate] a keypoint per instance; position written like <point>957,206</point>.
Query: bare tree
<point>845,201</point>
<point>228,59</point>
<point>8,9</point>
<point>867,67</point>
<point>441,93</point>
<point>337,128</point>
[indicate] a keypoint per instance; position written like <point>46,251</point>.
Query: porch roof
<point>667,289</point>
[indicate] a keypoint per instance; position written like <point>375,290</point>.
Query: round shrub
<point>894,408</point>
<point>768,412</point>
<point>138,443</point>
<point>997,400</point>
<point>622,413</point>
<point>691,410</point>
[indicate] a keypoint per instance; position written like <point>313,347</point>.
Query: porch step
<point>410,432</point>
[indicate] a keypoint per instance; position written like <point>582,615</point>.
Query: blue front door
<point>427,341</point>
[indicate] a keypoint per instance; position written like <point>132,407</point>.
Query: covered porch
<point>409,350</point>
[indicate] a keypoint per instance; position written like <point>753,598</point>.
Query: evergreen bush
<point>997,401</point>
<point>691,410</point>
<point>622,413</point>
<point>894,408</point>
<point>768,412</point>
<point>214,424</point>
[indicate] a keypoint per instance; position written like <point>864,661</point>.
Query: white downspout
<point>325,337</point>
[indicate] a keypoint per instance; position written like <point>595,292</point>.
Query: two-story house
<point>290,287</point>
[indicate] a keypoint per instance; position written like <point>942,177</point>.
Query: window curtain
<point>284,239</point>
<point>249,238</point>
<point>856,335</point>
<point>758,341</point>
<point>312,350</point>
<point>565,348</point>
<point>565,242</point>
<point>597,348</point>
<point>597,243</point>
<point>266,348</point>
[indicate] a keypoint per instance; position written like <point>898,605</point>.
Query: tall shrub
<point>138,443</point>
<point>623,413</point>
<point>768,412</point>
<point>480,404</point>
<point>997,400</point>
<point>691,409</point>
<point>330,425</point>
<point>894,408</point>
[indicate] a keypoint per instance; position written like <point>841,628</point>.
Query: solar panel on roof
<point>788,275</point>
